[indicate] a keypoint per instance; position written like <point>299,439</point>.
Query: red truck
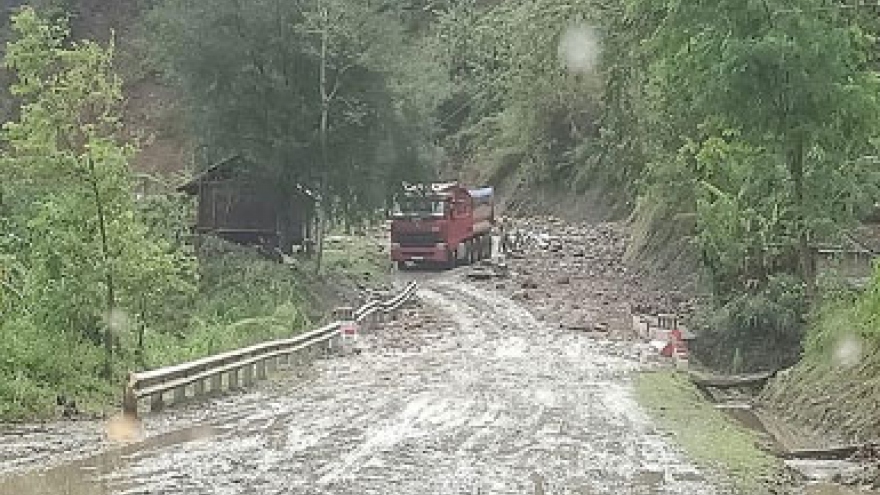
<point>446,224</point>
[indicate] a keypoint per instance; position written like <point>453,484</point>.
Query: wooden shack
<point>237,203</point>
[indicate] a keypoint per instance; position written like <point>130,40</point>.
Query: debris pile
<point>573,276</point>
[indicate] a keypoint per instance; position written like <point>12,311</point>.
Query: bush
<point>759,330</point>
<point>37,365</point>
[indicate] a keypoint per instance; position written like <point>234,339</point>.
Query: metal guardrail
<point>206,374</point>
<point>379,308</point>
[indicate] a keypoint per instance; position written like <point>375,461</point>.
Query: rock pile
<point>573,275</point>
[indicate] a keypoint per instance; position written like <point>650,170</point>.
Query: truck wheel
<point>401,266</point>
<point>451,258</point>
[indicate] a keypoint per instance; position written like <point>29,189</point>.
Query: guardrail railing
<point>242,366</point>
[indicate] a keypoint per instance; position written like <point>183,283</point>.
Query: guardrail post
<point>247,375</point>
<point>129,400</point>
<point>285,360</point>
<point>156,402</point>
<point>233,379</point>
<point>199,388</point>
<point>272,364</point>
<point>216,383</point>
<point>343,313</point>
<point>179,394</point>
<point>261,370</point>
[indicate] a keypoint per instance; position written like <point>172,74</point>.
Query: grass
<point>242,299</point>
<point>362,258</point>
<point>707,434</point>
<point>833,389</point>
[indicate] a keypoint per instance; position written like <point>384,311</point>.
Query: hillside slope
<point>150,113</point>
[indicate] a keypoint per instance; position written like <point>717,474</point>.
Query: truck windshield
<point>419,207</point>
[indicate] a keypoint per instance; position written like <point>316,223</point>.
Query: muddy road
<point>468,394</point>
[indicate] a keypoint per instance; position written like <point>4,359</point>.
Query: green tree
<point>757,120</point>
<point>305,90</point>
<point>89,260</point>
<point>518,103</point>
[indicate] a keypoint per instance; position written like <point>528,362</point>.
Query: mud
<point>470,395</point>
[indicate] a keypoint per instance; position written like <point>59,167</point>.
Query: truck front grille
<point>416,239</point>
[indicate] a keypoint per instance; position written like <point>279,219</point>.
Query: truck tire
<point>451,258</point>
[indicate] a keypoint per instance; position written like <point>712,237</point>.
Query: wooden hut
<point>240,205</point>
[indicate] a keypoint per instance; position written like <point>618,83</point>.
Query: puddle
<point>823,471</point>
<point>744,416</point>
<point>829,489</point>
<point>82,477</point>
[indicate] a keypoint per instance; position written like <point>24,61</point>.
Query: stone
<point>521,295</point>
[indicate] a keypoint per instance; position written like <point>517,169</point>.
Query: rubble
<point>582,268</point>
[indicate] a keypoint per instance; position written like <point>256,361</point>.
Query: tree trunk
<point>806,258</point>
<point>325,118</point>
<point>142,328</point>
<point>108,272</point>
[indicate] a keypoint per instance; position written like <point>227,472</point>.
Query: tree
<point>756,120</point>
<point>517,104</point>
<point>303,89</point>
<point>796,88</point>
<point>86,254</point>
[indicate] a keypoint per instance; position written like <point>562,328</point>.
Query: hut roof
<point>224,170</point>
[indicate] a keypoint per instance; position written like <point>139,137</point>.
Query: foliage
<point>224,316</point>
<point>754,119</point>
<point>359,257</point>
<point>251,75</point>
<point>78,262</point>
<point>92,265</point>
<point>845,315</point>
<point>757,119</point>
<point>514,100</point>
<point>757,330</point>
<point>84,252</point>
<point>833,388</point>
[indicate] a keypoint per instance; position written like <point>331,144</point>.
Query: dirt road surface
<point>469,394</point>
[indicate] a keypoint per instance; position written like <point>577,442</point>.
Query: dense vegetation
<point>95,280</point>
<point>746,128</point>
<point>749,128</point>
<point>309,90</point>
<point>757,119</point>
